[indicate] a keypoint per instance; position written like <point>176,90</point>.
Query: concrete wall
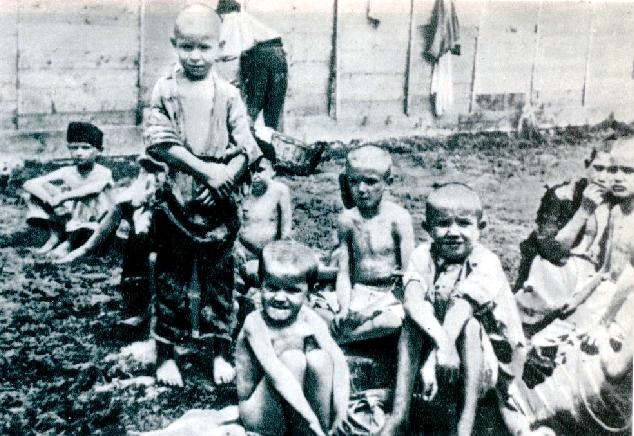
<point>352,63</point>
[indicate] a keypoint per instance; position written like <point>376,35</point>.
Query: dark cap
<point>227,6</point>
<point>79,131</point>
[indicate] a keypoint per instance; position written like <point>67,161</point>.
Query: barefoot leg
<point>318,385</point>
<point>472,358</point>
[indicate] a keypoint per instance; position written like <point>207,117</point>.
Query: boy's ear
<point>482,224</point>
<point>173,41</point>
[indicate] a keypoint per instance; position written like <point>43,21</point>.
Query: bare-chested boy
<point>458,296</point>
<point>292,378</point>
<point>266,216</point>
<point>376,239</point>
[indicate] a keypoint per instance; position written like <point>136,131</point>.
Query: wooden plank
<point>76,91</point>
<point>40,122</point>
<point>63,46</point>
<point>96,12</point>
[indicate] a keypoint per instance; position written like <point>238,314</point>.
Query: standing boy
<point>71,201</point>
<point>292,378</point>
<point>376,238</point>
<point>198,126</point>
<point>457,295</point>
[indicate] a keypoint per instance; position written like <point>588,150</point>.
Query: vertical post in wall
<point>408,61</point>
<point>141,63</point>
<point>586,74</point>
<point>333,101</point>
<point>474,70</point>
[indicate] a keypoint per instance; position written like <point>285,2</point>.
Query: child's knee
<point>295,361</point>
<point>472,330</point>
<point>319,362</point>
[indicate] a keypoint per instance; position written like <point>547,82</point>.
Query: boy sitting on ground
<point>292,378</point>
<point>266,216</point>
<point>199,127</point>
<point>376,238</point>
<point>70,202</point>
<point>456,295</point>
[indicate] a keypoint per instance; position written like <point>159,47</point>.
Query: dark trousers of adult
<point>264,75</point>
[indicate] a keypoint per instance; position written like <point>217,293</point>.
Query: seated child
<point>198,125</point>
<point>133,205</point>
<point>70,202</point>
<point>376,238</point>
<point>567,247</point>
<point>266,216</point>
<point>457,296</point>
<point>292,378</point>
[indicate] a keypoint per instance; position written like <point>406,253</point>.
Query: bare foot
<point>52,241</point>
<point>223,371</point>
<point>168,374</point>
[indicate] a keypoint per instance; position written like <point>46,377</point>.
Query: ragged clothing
<point>81,213</point>
<point>194,267</point>
<point>227,126</point>
<point>480,280</point>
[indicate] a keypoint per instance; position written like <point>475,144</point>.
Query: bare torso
<point>261,217</point>
<point>622,251</point>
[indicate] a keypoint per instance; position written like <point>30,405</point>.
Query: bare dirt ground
<point>57,322</point>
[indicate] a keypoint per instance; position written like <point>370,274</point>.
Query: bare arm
<point>89,188</point>
<point>406,230</point>
<point>281,379</point>
<point>456,318</point>
<point>592,197</point>
<point>624,289</point>
<point>42,188</point>
<point>286,212</point>
<point>421,313</point>
<point>343,284</point>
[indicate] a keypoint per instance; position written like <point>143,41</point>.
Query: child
<point>376,238</point>
<point>567,247</point>
<point>457,296</point>
<point>70,202</point>
<point>266,217</point>
<point>292,378</point>
<point>198,125</point>
<point>133,205</point>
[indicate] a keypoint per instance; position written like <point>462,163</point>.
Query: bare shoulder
<point>102,171</point>
<point>254,324</point>
<point>396,210</point>
<point>279,188</point>
<point>347,217</point>
<point>314,320</point>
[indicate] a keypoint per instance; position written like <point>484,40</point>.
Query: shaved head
<point>623,149</point>
<point>291,259</point>
<point>196,19</point>
<point>369,158</point>
<point>454,197</point>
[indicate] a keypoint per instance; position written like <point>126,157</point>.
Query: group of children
<point>207,208</point>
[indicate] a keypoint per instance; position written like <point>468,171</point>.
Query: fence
<point>359,62</point>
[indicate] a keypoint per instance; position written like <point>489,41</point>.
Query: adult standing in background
<point>253,57</point>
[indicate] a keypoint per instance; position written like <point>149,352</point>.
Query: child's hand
<point>219,180</point>
<point>448,362</point>
<point>592,197</point>
<point>428,376</point>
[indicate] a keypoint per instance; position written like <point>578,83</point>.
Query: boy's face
<point>621,170</point>
<point>196,46</point>
<point>454,231</point>
<point>598,171</point>
<point>282,297</point>
<point>262,175</point>
<point>82,152</point>
<point>366,186</point>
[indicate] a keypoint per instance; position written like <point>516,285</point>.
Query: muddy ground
<point>57,322</point>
